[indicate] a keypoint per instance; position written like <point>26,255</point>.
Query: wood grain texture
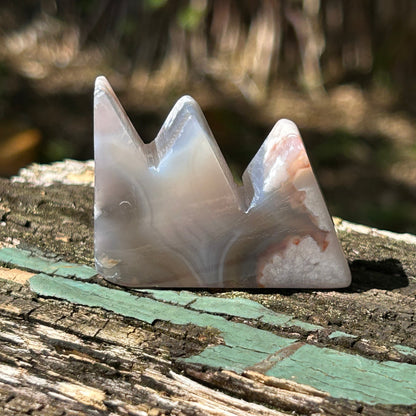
<point>71,343</point>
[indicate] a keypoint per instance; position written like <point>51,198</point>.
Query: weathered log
<point>71,343</point>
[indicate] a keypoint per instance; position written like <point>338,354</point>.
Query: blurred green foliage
<point>190,17</point>
<point>155,4</point>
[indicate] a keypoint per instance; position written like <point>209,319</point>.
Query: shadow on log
<point>383,274</point>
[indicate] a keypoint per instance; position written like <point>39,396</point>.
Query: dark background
<point>342,70</point>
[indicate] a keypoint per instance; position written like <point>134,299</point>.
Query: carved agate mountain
<point>168,213</point>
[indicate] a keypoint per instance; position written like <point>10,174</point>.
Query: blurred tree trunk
<point>248,44</point>
<point>306,22</point>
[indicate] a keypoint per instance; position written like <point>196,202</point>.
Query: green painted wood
<point>350,376</point>
<point>340,374</point>
<point>24,259</point>
<point>340,334</point>
<point>244,308</point>
<point>74,270</point>
<point>273,317</point>
<point>221,356</point>
<point>241,307</point>
<point>149,310</point>
<point>182,297</point>
<point>408,351</point>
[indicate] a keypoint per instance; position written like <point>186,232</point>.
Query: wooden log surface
<point>73,344</point>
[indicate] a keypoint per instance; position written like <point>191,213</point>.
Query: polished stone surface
<point>169,214</point>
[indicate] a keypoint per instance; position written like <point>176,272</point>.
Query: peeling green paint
<point>26,261</point>
<point>182,297</point>
<point>221,356</point>
<point>340,334</point>
<point>76,270</point>
<point>271,319</point>
<point>150,310</point>
<point>340,374</point>
<point>350,376</point>
<point>408,351</point>
<point>241,307</point>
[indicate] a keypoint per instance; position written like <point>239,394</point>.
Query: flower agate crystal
<point>168,213</point>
